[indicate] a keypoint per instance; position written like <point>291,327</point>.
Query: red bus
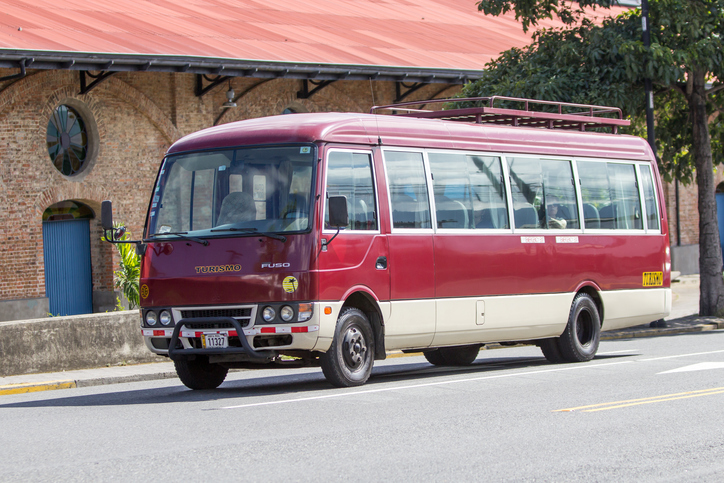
<point>331,239</point>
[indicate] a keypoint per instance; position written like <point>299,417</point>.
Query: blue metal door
<point>68,284</point>
<point>720,219</point>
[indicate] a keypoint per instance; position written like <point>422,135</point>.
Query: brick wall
<point>135,117</point>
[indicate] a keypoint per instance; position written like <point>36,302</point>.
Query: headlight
<point>165,318</point>
<point>286,313</point>
<point>151,317</point>
<point>268,314</point>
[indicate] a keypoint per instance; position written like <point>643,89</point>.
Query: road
<point>643,410</point>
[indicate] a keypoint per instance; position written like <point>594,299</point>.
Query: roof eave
<point>111,62</point>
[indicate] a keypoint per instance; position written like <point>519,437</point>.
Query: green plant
<point>126,278</point>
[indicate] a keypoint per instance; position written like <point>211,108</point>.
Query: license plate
<point>214,341</point>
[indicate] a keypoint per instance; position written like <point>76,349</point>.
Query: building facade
<point>50,203</point>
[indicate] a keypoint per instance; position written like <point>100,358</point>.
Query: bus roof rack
<point>568,115</point>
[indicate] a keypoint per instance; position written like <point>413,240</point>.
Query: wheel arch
<point>368,304</point>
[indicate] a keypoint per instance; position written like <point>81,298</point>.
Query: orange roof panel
<point>449,34</point>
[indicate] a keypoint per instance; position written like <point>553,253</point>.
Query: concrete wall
<point>35,308</point>
<point>74,342</point>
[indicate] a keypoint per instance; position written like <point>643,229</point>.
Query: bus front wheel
<point>348,362</point>
<point>199,373</point>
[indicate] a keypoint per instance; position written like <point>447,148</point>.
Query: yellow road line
<point>647,400</point>
<point>41,386</point>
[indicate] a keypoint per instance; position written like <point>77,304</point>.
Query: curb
<point>680,326</point>
<point>70,384</point>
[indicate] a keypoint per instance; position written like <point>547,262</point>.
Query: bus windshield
<point>234,191</point>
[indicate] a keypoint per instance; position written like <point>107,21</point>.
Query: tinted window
<point>610,195</point>
<point>469,191</point>
<point>408,190</point>
<point>543,193</point>
<point>652,212</point>
<point>350,175</point>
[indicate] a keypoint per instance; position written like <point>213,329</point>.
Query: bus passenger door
<point>353,260</point>
<point>411,256</point>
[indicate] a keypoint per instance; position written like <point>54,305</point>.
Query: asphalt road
<point>644,410</point>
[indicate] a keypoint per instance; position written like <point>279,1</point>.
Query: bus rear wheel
<point>579,342</point>
<point>349,360</point>
<point>199,373</point>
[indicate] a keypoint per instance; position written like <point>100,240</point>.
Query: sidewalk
<point>683,319</point>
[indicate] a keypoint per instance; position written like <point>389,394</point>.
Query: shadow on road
<point>300,384</point>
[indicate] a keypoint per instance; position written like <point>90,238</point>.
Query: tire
<point>463,355</point>
<point>550,350</point>
<point>434,357</point>
<point>349,360</point>
<point>579,342</point>
<point>199,373</point>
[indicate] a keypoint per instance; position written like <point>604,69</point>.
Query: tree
<point>606,64</point>
<point>127,277</point>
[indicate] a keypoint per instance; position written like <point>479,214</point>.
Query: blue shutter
<point>68,283</point>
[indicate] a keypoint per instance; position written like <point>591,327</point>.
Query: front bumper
<point>303,337</point>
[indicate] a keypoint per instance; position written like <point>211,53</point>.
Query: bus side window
<point>652,213</point>
<point>349,174</point>
<point>408,190</point>
<point>488,189</point>
<point>625,202</point>
<point>543,193</point>
<point>596,197</point>
<point>451,186</point>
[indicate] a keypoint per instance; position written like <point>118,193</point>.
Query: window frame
<point>375,187</point>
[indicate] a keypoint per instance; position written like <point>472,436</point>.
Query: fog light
<point>165,318</point>
<point>286,313</point>
<point>268,314</point>
<point>151,317</point>
<point>305,312</point>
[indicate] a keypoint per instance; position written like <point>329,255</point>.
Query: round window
<point>67,140</point>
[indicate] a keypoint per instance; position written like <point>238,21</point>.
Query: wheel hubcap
<point>354,348</point>
<point>584,328</point>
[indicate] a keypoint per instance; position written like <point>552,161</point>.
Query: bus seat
<point>450,213</point>
<point>591,216</point>
<point>237,206</point>
<point>296,207</point>
<point>607,215</point>
<point>493,218</point>
<point>526,217</point>
<point>404,209</point>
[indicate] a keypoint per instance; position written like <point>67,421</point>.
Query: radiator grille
<point>235,312</point>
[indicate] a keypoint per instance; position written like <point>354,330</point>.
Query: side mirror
<point>338,216</point>
<point>107,215</point>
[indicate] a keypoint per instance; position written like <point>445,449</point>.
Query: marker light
<point>286,313</point>
<point>165,318</point>
<point>268,314</point>
<point>151,317</point>
<point>328,310</point>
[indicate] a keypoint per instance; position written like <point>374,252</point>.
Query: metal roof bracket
<point>23,63</point>
<point>305,93</point>
<point>202,90</point>
<point>97,79</point>
<point>409,90</point>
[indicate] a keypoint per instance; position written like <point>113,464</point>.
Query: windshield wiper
<point>256,231</point>
<point>183,235</point>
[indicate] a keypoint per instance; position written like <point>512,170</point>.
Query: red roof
<point>447,34</point>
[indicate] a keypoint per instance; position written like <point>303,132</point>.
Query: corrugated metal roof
<point>426,34</point>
